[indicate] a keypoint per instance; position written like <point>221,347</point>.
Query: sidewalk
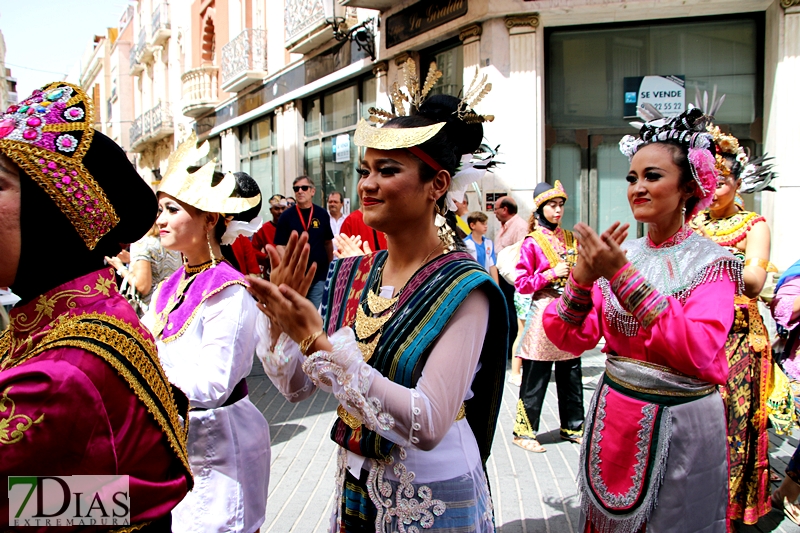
<point>532,493</point>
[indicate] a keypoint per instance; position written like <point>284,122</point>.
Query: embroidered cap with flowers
<point>48,135</point>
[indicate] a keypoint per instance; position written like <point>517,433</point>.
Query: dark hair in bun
<point>455,139</point>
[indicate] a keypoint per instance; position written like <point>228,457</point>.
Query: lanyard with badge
<point>302,220</point>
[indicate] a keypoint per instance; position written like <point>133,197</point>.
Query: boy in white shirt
<point>481,249</point>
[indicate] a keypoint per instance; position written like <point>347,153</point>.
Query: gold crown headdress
<point>195,188</point>
<point>413,96</point>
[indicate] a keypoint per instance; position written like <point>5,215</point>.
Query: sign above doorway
<point>421,17</point>
<point>666,93</point>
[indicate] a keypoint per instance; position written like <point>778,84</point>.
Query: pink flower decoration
<point>705,174</point>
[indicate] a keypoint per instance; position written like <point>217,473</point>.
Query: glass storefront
<point>586,71</point>
<point>330,157</point>
<point>258,157</point>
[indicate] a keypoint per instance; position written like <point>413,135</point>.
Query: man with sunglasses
<point>313,219</point>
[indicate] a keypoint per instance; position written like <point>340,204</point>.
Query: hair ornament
<point>756,174</point>
<point>704,171</point>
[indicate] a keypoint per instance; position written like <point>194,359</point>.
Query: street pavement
<point>532,492</point>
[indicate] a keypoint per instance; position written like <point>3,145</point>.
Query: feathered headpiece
<point>756,174</point>
<point>688,129</point>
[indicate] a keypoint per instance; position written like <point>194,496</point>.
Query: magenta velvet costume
<point>67,410</point>
<point>665,317</point>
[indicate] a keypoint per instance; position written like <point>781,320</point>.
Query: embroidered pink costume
<point>536,277</point>
<point>665,317</point>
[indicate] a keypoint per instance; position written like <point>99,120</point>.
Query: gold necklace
<point>198,268</point>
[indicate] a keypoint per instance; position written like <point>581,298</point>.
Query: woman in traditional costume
<point>205,324</point>
<point>409,337</point>
<point>746,235</point>
<point>654,453</point>
<point>83,392</point>
<point>546,257</point>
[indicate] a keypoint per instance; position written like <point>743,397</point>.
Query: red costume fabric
<point>264,236</point>
<point>354,225</point>
<point>247,256</point>
<point>88,411</point>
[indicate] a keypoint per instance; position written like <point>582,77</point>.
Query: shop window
<point>258,157</point>
<point>587,68</point>
<point>449,60</point>
<point>330,156</point>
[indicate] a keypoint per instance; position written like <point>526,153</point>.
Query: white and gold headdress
<point>195,188</point>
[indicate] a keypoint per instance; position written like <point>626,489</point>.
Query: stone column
<point>782,128</point>
<point>229,150</point>
<point>381,70</point>
<point>292,145</point>
<point>471,39</point>
<point>280,136</point>
<point>526,84</point>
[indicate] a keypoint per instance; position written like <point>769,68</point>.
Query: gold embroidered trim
<point>24,425</point>
<point>549,251</point>
<point>75,332</point>
<point>46,304</point>
<point>129,529</point>
<point>194,312</point>
<point>74,126</point>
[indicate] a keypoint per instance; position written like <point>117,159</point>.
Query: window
<point>587,68</point>
<point>449,59</point>
<point>330,156</point>
<point>258,157</point>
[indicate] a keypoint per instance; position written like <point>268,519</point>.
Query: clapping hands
<point>599,255</point>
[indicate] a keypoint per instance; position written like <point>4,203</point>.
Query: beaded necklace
<point>726,231</point>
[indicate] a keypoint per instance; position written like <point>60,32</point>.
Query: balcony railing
<point>160,27</point>
<point>244,60</point>
<point>151,126</point>
<point>136,66</point>
<point>199,90</point>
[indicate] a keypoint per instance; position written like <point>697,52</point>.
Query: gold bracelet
<point>306,343</point>
<point>761,263</point>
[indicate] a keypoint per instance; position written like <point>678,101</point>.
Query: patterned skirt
<point>746,396</point>
<point>459,505</point>
<point>535,345</point>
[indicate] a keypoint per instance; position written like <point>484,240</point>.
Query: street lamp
<point>362,34</point>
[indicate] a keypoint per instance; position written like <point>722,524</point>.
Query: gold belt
<point>354,423</point>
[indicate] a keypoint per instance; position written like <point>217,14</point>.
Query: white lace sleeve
<point>419,416</point>
<point>284,364</point>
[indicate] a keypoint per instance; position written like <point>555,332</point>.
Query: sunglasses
<point>298,188</point>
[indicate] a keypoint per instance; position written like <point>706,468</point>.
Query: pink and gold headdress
<point>48,135</point>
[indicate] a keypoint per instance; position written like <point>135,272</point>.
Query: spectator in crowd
<point>236,244</point>
<point>462,210</point>
<point>290,201</point>
<point>150,264</point>
<point>266,235</point>
<point>481,248</point>
<point>313,219</point>
<point>354,226</point>
<point>514,229</point>
<point>335,204</point>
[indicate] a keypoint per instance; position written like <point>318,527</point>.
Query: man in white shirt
<point>514,227</point>
<point>335,204</point>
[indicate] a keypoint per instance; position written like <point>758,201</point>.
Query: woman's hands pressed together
<point>599,255</point>
<point>282,298</point>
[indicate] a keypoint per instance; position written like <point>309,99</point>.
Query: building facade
<point>278,95</point>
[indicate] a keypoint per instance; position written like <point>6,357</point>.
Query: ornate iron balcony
<point>244,60</point>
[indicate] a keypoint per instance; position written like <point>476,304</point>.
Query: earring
<point>214,259</point>
<point>446,234</point>
<point>683,210</point>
